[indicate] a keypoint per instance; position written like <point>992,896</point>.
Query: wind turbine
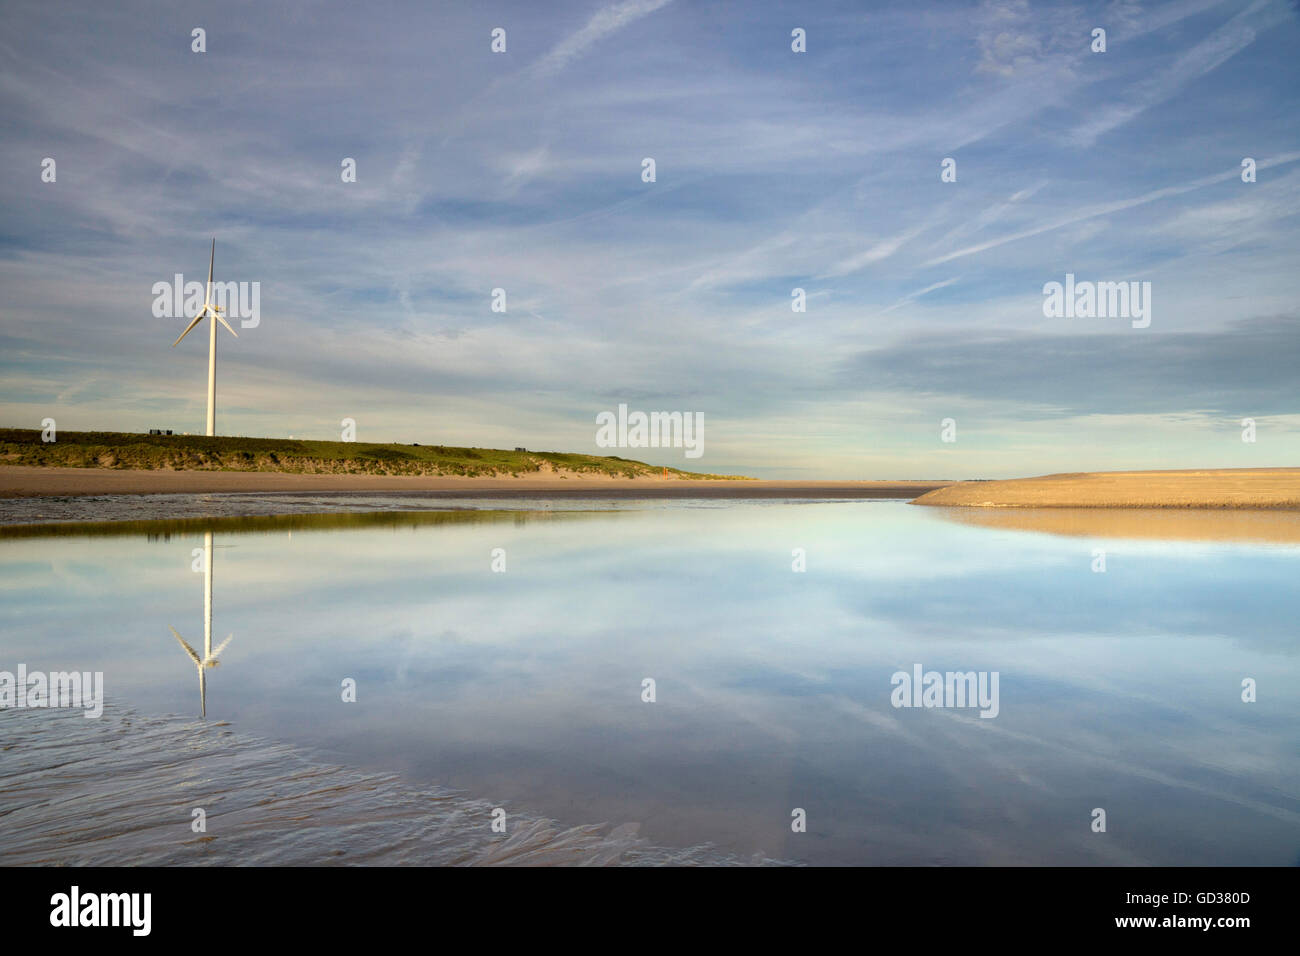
<point>209,658</point>
<point>216,311</point>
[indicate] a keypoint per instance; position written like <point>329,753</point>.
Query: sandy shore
<point>23,482</point>
<point>1274,526</point>
<point>1217,488</point>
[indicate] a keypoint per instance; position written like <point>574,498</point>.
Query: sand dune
<point>1211,488</point>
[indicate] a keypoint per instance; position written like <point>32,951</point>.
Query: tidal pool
<point>504,656</point>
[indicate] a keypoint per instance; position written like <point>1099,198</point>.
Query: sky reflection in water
<point>1118,690</point>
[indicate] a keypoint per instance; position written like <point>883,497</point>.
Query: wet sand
<point>119,791</point>
<point>17,481</point>
<point>1256,526</point>
<point>1207,488</point>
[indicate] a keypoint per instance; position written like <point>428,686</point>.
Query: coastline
<point>22,481</point>
<point>1271,488</point>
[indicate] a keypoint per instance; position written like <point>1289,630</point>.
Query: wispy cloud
<point>604,22</point>
<point>1105,209</point>
<point>913,296</point>
<point>877,252</point>
<point>1226,42</point>
<point>776,170</point>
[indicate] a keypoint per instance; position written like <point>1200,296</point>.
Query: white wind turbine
<point>210,656</point>
<point>216,311</point>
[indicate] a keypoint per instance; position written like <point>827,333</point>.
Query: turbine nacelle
<point>215,312</point>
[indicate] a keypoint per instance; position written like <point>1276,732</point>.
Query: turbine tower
<point>215,311</point>
<point>210,656</point>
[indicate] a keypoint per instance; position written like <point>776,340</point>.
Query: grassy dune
<point>1207,488</point>
<point>124,450</point>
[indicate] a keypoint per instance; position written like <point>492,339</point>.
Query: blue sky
<point>774,170</point>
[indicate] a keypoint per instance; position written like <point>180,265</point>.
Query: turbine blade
<point>188,650</point>
<point>222,646</point>
<point>211,259</point>
<point>222,319</point>
<point>189,328</point>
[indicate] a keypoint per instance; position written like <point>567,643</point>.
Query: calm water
<point>522,689</point>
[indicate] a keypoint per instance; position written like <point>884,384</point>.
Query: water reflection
<point>163,530</point>
<point>209,659</point>
<point>1165,524</point>
<point>524,688</point>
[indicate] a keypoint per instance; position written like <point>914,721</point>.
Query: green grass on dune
<point>23,446</point>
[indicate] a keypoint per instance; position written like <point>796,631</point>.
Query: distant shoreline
<point>23,481</point>
<point>1229,488</point>
<point>1238,488</point>
<point>159,451</point>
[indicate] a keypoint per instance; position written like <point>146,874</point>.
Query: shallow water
<point>19,511</point>
<point>123,790</point>
<point>522,689</point>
